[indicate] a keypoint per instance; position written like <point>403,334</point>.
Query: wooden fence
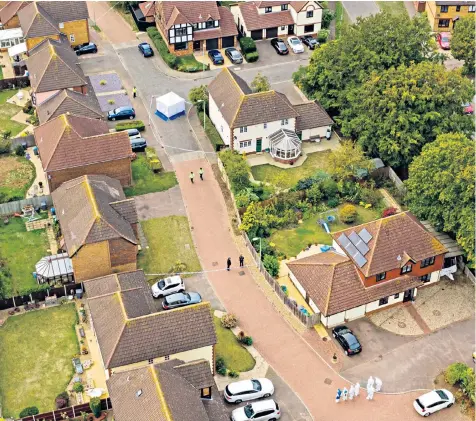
<point>14,83</point>
<point>22,140</point>
<point>467,271</point>
<point>10,208</point>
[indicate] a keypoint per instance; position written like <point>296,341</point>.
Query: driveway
<point>268,55</point>
<point>160,204</point>
<point>361,9</point>
<point>199,283</point>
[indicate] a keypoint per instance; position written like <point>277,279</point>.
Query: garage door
<point>212,44</point>
<point>272,32</point>
<point>258,34</point>
<point>227,42</point>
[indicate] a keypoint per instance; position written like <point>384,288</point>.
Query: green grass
<point>7,111</point>
<point>169,241</point>
<point>96,28</point>
<point>269,173</point>
<point>1,73</point>
<point>190,64</point>
<point>292,241</point>
<point>394,7</point>
<point>36,348</point>
<point>146,181</point>
<point>21,250</point>
<point>339,18</point>
<point>16,177</point>
<point>121,8</point>
<point>235,355</point>
<point>211,131</point>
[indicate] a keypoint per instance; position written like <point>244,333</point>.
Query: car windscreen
<point>248,411</point>
<point>442,395</point>
<point>161,284</point>
<point>256,384</point>
<point>445,39</point>
<point>294,41</point>
<point>281,45</point>
<point>351,340</point>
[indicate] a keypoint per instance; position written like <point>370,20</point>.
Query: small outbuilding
<point>55,269</point>
<point>170,106</point>
<point>285,146</point>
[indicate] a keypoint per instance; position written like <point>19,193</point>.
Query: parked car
<point>444,39</point>
<point>468,108</point>
<point>146,49</point>
<point>87,48</point>
<point>138,144</point>
<point>263,411</point>
<point>347,340</point>
<point>280,47</point>
<point>247,390</point>
<point>121,113</point>
<point>181,299</point>
<point>216,57</point>
<point>296,45</point>
<point>78,367</point>
<point>234,55</point>
<point>168,286</point>
<point>310,42</point>
<point>133,133</point>
<point>433,401</point>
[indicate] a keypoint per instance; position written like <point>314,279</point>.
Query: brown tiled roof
<point>11,9</point>
<point>174,12</point>
<point>68,101</point>
<point>127,209</point>
<point>311,115</point>
<point>227,27</point>
<point>197,373</point>
<point>147,8</point>
<point>70,141</point>
<point>254,20</point>
<point>395,236</point>
<point>299,5</point>
<point>84,212</point>
<point>66,11</point>
<point>52,66</point>
<point>334,285</point>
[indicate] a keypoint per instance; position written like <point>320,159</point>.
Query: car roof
<point>240,386</point>
<point>261,405</point>
<point>175,297</point>
<point>429,398</point>
<point>144,43</point>
<point>171,279</point>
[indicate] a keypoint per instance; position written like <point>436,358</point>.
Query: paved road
<point>361,9</point>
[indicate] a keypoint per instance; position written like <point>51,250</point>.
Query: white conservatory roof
<point>285,140</point>
<point>54,266</point>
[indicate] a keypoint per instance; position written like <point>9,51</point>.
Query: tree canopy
<point>396,112</point>
<point>199,97</point>
<point>260,83</point>
<point>440,187</point>
<point>346,162</point>
<point>463,42</point>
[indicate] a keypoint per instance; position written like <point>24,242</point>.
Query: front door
<point>197,46</point>
<point>408,295</point>
<point>290,29</point>
<point>259,143</point>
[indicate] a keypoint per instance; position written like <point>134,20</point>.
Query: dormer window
<point>206,393</point>
<point>284,7</point>
<point>427,262</point>
<point>210,24</point>
<point>381,276</point>
<point>268,9</point>
<point>310,14</point>
<point>406,269</point>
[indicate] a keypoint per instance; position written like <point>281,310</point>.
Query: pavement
<point>362,9</point>
<point>199,283</point>
<point>160,204</point>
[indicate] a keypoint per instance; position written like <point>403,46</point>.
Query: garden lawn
<point>236,356</point>
<point>169,241</point>
<point>292,241</point>
<point>189,64</point>
<point>269,173</point>
<point>393,7</point>
<point>7,111</point>
<point>146,181</point>
<point>36,349</point>
<point>20,250</point>
<point>16,177</point>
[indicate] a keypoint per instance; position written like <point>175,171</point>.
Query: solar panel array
<point>356,245</point>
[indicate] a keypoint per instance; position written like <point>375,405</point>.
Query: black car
<point>216,57</point>
<point>234,55</point>
<point>310,42</point>
<point>146,49</point>
<point>347,340</point>
<point>121,113</point>
<point>279,45</point>
<point>87,48</point>
<point>138,144</point>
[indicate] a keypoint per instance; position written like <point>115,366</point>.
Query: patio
<point>109,91</point>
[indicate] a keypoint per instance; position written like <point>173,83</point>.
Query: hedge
<point>247,45</point>
<point>134,124</point>
<point>251,57</point>
<point>153,160</point>
<point>211,132</point>
<point>323,35</point>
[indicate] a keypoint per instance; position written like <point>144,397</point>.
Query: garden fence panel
<point>28,140</point>
<point>71,411</point>
<point>392,175</point>
<point>10,208</point>
<point>6,303</point>
<point>14,83</point>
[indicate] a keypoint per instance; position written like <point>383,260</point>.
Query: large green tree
<point>463,42</point>
<point>396,112</point>
<point>440,187</point>
<point>347,162</point>
<point>375,43</point>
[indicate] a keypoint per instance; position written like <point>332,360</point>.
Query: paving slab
<point>160,204</point>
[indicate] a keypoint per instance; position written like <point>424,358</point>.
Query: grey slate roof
<point>85,214</point>
<point>197,373</point>
<point>311,115</point>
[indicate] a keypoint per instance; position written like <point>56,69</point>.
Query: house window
<point>309,28</point>
<point>265,125</point>
<point>268,9</point>
<point>458,8</point>
<point>245,143</point>
<point>383,301</point>
<point>180,46</point>
<point>195,25</point>
<point>71,38</point>
<point>427,262</point>
<point>425,278</point>
<point>284,122</point>
<point>151,361</point>
<point>284,7</point>
<point>210,24</point>
<point>283,28</point>
<point>381,276</point>
<point>406,269</point>
<point>61,25</point>
<point>443,23</point>
<point>472,8</point>
<point>396,296</point>
<point>180,31</point>
<point>444,9</point>
<point>206,393</point>
<point>243,129</point>
<point>310,14</point>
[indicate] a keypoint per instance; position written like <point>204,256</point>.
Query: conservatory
<point>285,146</point>
<point>55,269</point>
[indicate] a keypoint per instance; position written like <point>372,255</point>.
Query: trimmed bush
<point>29,410</point>
<point>62,400</point>
<point>134,124</point>
<point>211,131</point>
<point>95,405</point>
<point>252,57</point>
<point>19,151</point>
<point>348,214</point>
<point>78,387</point>
<point>222,371</point>
<point>389,212</point>
<point>247,340</point>
<point>323,35</point>
<point>153,160</point>
<point>455,373</point>
<point>229,321</point>
<point>248,45</point>
<point>233,374</point>
<point>220,363</point>
<point>271,264</point>
<point>161,46</point>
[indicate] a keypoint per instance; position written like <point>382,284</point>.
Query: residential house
<point>98,224</point>
<point>53,66</point>
<point>71,146</point>
<point>173,390</point>
<point>9,14</point>
<point>133,332</point>
<point>51,19</point>
<point>72,102</point>
<point>444,15</point>
<point>369,267</point>
<point>265,121</point>
<point>148,10</point>
<point>271,19</point>
<point>188,26</point>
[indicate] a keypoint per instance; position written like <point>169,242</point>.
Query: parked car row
<point>295,44</point>
<point>172,290</point>
<point>232,54</point>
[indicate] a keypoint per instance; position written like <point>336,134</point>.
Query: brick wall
<point>122,252</point>
<point>78,28</point>
<point>92,261</point>
<point>119,169</point>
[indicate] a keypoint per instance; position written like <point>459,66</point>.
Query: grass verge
<point>122,8</point>
<point>16,177</point>
<point>393,7</point>
<point>7,111</point>
<point>339,18</point>
<point>97,28</point>
<point>211,131</point>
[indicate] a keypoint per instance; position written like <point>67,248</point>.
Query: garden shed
<point>54,269</point>
<point>285,146</point>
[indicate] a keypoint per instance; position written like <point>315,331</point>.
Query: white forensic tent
<point>170,106</point>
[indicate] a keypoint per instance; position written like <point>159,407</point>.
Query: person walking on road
<point>378,384</point>
<point>228,264</point>
<point>351,392</point>
<point>345,394</point>
<point>242,261</point>
<point>338,395</point>
<point>357,389</point>
<point>370,392</point>
<point>370,382</point>
<point>134,92</point>
<point>200,172</point>
<point>192,176</point>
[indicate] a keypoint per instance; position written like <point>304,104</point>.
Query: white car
<point>296,45</point>
<point>247,390</point>
<point>167,286</point>
<point>433,401</point>
<point>262,411</point>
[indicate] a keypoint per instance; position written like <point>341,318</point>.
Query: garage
<point>272,32</point>
<point>212,44</point>
<point>257,34</point>
<point>227,42</point>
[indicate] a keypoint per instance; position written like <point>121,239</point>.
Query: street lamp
<point>201,100</point>
<point>256,239</point>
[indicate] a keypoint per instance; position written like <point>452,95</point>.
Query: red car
<point>468,108</point>
<point>444,39</point>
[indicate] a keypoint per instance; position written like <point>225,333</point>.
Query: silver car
<point>167,286</point>
<point>234,55</point>
<point>247,390</point>
<point>181,299</point>
<point>267,410</point>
